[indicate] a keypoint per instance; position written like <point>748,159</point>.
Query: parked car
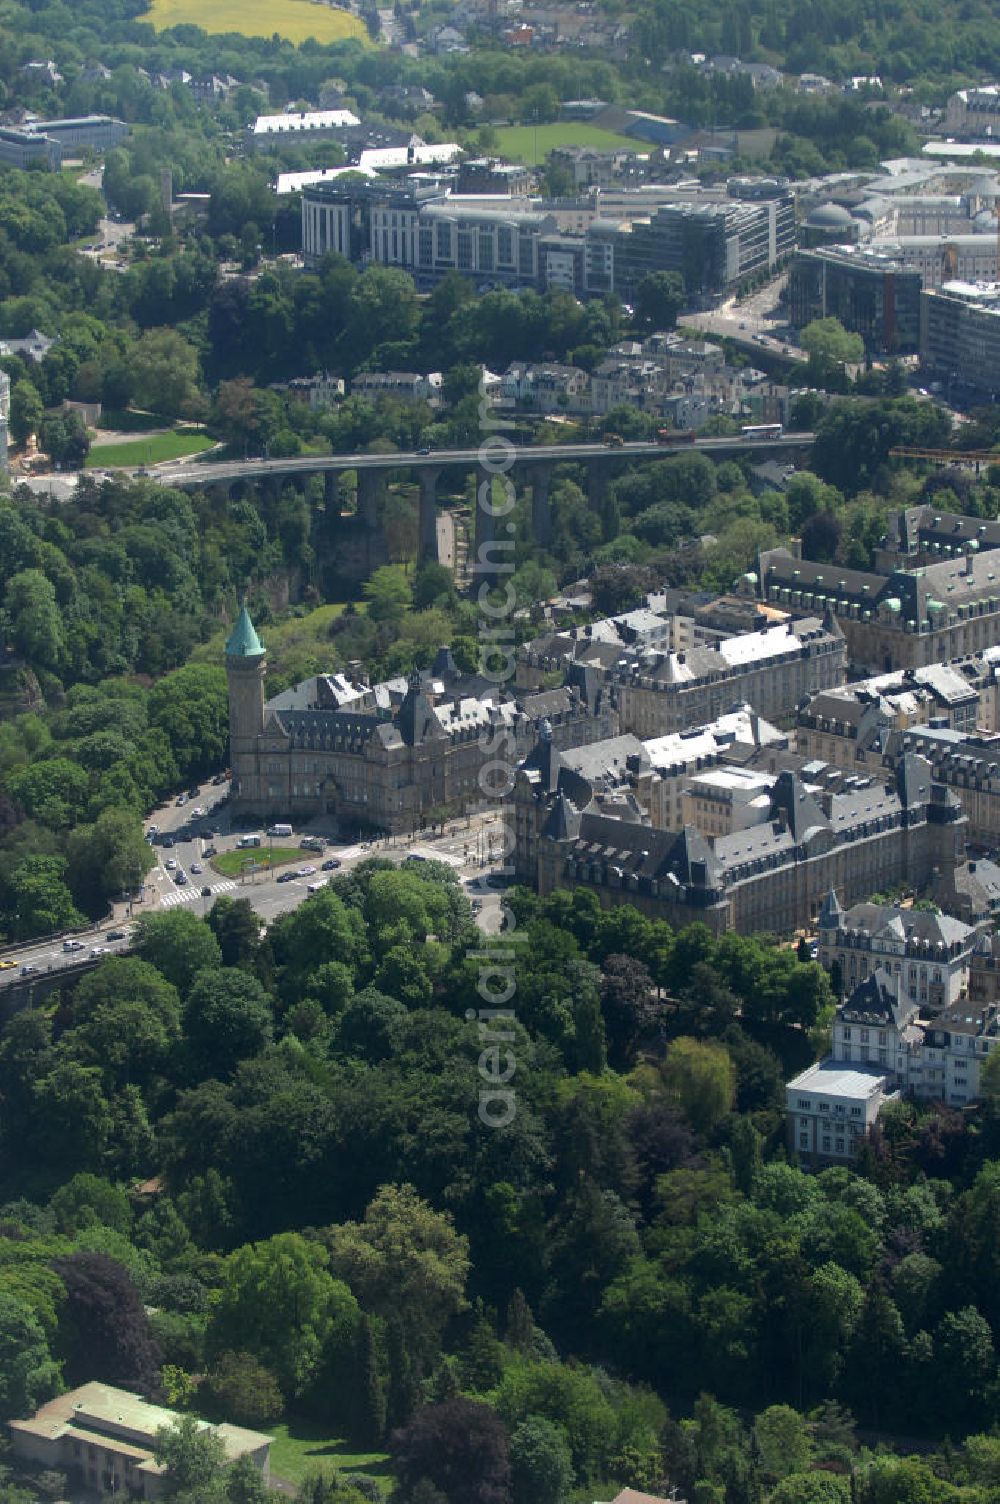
<point>286,877</point>
<point>117,935</point>
<point>193,792</point>
<point>167,841</point>
<point>218,780</point>
<point>170,863</point>
<point>197,813</point>
<point>209,851</point>
<point>331,864</point>
<point>181,800</point>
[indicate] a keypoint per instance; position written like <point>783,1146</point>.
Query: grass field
<point>230,863</point>
<point>294,19</point>
<point>532,143</point>
<point>295,648</point>
<point>159,446</point>
<point>300,1448</point>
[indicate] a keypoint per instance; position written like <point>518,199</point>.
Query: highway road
<point>191,474</point>
<point>465,848</point>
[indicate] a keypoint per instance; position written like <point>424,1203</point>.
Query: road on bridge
<point>224,472</point>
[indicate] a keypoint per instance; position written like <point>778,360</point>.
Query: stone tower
<point>246,666</point>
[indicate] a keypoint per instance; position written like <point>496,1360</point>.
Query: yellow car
<point>7,965</point>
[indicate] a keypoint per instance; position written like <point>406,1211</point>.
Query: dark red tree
<point>460,1448</point>
<point>109,1332</point>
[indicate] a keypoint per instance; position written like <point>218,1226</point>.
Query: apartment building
<point>832,1107</point>
<point>974,112</point>
<point>927,951</point>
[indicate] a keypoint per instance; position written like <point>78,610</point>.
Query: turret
<point>246,667</point>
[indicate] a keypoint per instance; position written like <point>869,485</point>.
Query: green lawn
<point>230,863</point>
<point>532,144</point>
<point>149,451</point>
<point>298,646</point>
<point>300,1447</point>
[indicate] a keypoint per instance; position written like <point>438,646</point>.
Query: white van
<point>280,830</point>
<point>315,887</point>
<point>245,841</point>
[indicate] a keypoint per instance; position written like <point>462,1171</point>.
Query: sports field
<point>532,143</point>
<point>294,19</point>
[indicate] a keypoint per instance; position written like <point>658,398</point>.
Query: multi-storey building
<point>773,669</point>
<point>968,765</point>
<point>832,1107</point>
<point>383,757</point>
<point>882,1049</point>
<point>770,876</point>
<point>849,726</point>
<point>650,778</point>
<point>925,534</point>
<point>712,245</point>
<point>20,147</point>
<point>872,293</point>
<point>936,1057</point>
<point>93,132</point>
<point>517,242</point>
<point>908,618</point>
<point>960,334</point>
<point>974,112</point>
<point>303,126</point>
<point>927,951</point>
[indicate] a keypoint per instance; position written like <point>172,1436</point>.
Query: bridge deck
<point>223,472</point>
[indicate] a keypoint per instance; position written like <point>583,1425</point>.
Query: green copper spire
<point>243,640</point>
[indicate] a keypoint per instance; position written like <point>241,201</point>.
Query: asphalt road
<point>231,470</point>
<point>466,848</point>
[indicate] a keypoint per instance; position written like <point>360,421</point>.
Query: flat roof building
<point>832,1107</point>
<point>960,334</point>
<point>105,1438</point>
<point>310,125</point>
<point>872,293</point>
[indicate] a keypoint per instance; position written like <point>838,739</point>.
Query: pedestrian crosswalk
<point>192,893</point>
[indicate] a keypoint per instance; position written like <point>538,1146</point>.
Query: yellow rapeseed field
<point>294,19</point>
